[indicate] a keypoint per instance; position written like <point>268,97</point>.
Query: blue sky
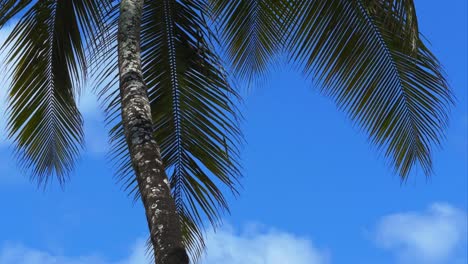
<point>314,190</point>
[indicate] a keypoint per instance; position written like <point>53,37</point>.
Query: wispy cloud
<point>96,138</point>
<point>434,236</point>
<point>4,80</point>
<point>19,254</point>
<point>11,253</point>
<point>437,235</point>
<point>225,246</point>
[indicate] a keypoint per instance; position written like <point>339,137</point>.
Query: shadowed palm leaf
<point>47,51</point>
<point>377,68</point>
<point>367,55</point>
<point>9,8</point>
<point>252,31</point>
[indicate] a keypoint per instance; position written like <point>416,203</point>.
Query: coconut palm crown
<point>367,55</point>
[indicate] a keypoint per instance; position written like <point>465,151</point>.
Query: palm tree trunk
<point>152,180</point>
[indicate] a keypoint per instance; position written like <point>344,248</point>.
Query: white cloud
<point>436,235</point>
<point>4,32</point>
<point>138,254</point>
<point>271,247</point>
<point>19,254</point>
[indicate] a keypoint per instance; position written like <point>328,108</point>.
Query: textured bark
<point>152,180</point>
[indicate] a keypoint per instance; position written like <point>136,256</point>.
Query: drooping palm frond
<point>9,8</point>
<point>398,17</point>
<point>252,32</point>
<point>47,51</point>
<point>368,56</point>
<point>194,114</point>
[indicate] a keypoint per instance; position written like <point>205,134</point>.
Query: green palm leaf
<point>368,55</point>
<point>9,8</point>
<point>252,33</point>
<point>47,51</point>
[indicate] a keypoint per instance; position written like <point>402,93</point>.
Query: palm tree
<point>175,111</point>
<point>56,44</point>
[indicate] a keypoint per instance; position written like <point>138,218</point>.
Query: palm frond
<point>398,17</point>
<point>194,114</point>
<point>9,8</point>
<point>368,55</point>
<point>47,51</point>
<point>252,33</point>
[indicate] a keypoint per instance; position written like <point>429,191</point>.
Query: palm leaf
<point>9,8</point>
<point>252,33</point>
<point>47,51</point>
<point>368,55</point>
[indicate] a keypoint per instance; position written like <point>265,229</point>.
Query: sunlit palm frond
<point>194,114</point>
<point>369,57</point>
<point>47,51</point>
